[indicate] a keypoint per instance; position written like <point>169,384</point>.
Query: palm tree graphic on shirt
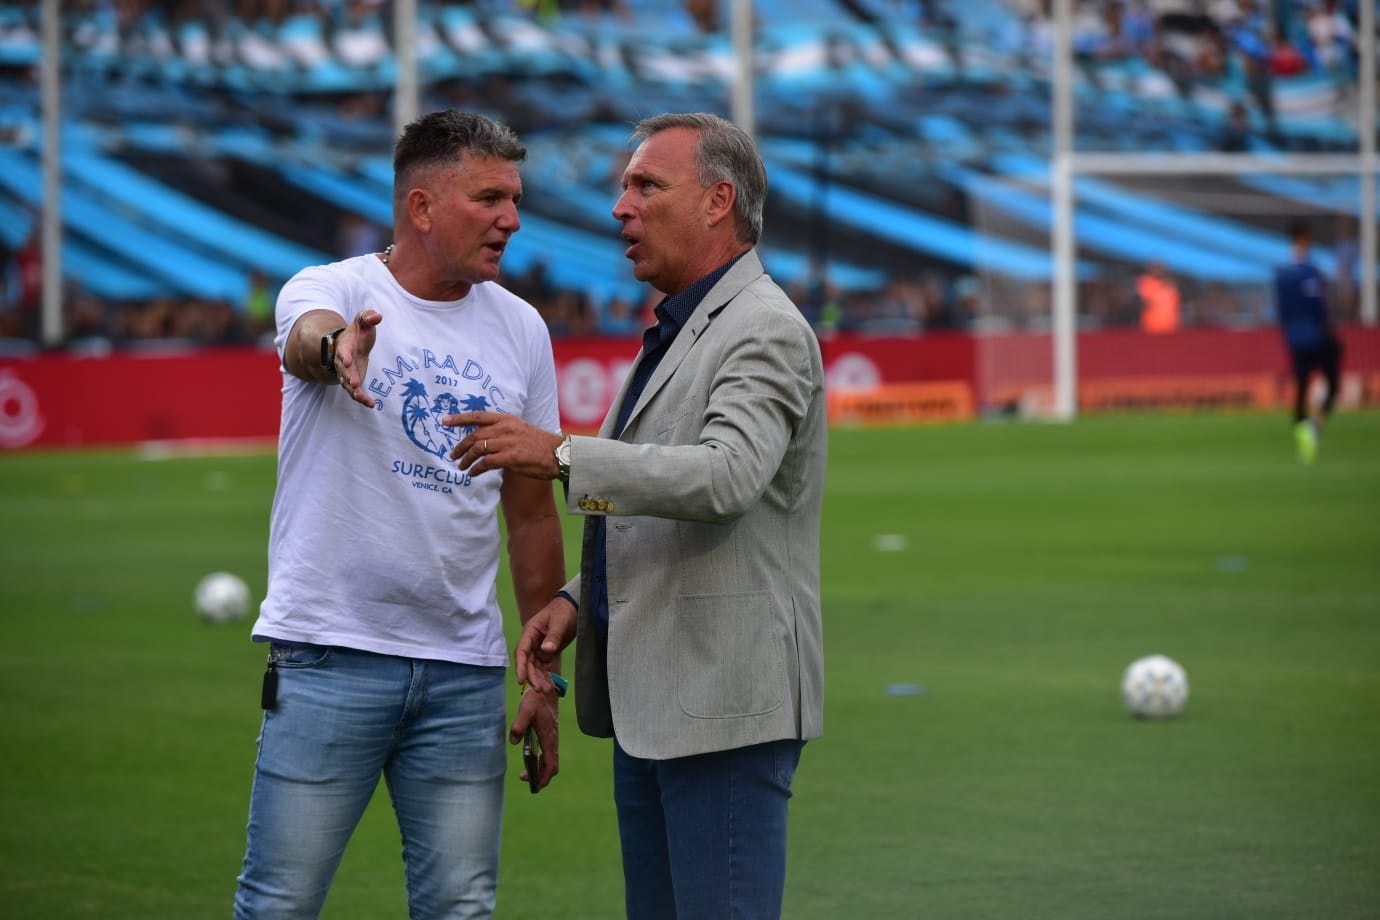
<point>421,417</point>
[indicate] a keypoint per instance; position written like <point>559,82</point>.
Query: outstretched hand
<point>352,349</point>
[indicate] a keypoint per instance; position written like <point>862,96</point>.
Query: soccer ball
<point>222,597</point>
<point>1154,687</point>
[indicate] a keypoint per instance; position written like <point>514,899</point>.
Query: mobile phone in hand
<point>531,752</point>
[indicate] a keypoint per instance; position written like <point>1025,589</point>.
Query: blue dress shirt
<point>672,314</point>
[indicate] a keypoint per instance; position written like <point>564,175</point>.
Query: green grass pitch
<point>1005,572</point>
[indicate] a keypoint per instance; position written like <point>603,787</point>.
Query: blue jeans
<point>433,730</point>
<point>704,837</point>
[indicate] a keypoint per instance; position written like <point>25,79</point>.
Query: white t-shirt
<point>377,541</point>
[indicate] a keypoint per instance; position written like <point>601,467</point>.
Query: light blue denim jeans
<point>433,730</point>
<point>704,837</point>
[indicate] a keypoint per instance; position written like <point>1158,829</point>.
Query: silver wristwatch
<point>563,459</point>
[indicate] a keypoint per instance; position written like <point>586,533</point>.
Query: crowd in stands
<point>223,15</point>
<point>90,321</point>
<point>1248,44</point>
<point>1147,297</point>
<point>1195,43</point>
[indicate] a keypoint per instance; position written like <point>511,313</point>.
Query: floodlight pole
<point>744,113</point>
<point>50,216</point>
<point>1065,263</point>
<point>407,89</point>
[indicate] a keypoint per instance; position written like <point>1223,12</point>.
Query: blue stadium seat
<point>153,254</point>
<point>1211,233</point>
<point>921,232</point>
<point>204,226</point>
<point>1113,236</point>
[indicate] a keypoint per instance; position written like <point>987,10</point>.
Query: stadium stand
<point>894,122</point>
<point>145,252</point>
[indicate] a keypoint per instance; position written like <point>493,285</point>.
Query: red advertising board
<point>233,394</point>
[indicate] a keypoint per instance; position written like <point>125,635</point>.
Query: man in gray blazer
<point>698,614</point>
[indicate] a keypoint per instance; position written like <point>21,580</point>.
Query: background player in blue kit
<point>1301,304</point>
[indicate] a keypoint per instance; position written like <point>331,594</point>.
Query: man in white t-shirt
<point>387,654</point>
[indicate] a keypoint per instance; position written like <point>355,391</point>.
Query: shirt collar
<point>675,311</point>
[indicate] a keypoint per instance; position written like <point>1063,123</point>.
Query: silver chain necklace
<point>387,253</point>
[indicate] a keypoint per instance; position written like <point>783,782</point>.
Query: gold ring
<point>486,445</point>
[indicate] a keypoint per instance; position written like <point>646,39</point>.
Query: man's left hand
<point>504,442</point>
<point>541,712</point>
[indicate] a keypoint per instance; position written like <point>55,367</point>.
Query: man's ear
<point>419,208</point>
<point>719,202</point>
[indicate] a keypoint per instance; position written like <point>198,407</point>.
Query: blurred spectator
<point>813,293</point>
<point>963,305</point>
<point>1251,38</point>
<point>1331,36</point>
<point>1138,26</point>
<point>536,286</point>
<point>704,14</point>
<point>567,313</point>
<point>258,309</point>
<point>1285,58</point>
<point>85,319</point>
<point>1107,39</point>
<point>10,325</point>
<point>152,320</point>
<point>898,307</point>
<point>547,11</point>
<point>1159,299</point>
<point>24,269</point>
<point>358,236</point>
<point>550,11</point>
<point>619,318</point>
<point>26,279</point>
<point>1188,47</point>
<point>1236,135</point>
<point>596,8</point>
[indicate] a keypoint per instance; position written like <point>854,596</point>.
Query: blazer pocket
<point>729,657</point>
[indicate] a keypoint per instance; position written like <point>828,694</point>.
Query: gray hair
<point>723,153</point>
<point>441,137</point>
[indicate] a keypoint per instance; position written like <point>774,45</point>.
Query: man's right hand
<point>352,349</point>
<point>545,634</point>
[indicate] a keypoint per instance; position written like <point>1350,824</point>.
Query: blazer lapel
<point>748,269</point>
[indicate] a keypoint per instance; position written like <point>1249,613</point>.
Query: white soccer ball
<point>1154,687</point>
<point>222,597</point>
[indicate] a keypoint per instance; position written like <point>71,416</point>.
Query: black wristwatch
<point>328,347</point>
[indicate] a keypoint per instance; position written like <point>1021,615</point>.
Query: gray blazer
<point>713,496</point>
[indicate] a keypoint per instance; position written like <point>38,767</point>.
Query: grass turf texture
<point>1037,562</point>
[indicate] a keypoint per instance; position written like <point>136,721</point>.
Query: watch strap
<point>328,347</point>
